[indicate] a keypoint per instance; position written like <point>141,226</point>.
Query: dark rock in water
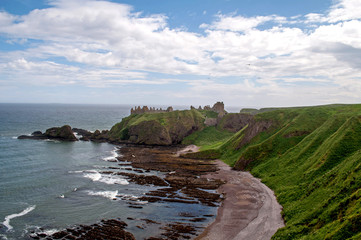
<point>84,139</point>
<point>83,132</point>
<point>142,179</point>
<point>99,136</point>
<point>63,133</point>
<point>37,133</point>
<point>106,229</point>
<point>178,231</point>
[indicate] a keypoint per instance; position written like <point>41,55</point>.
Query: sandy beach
<point>249,211</point>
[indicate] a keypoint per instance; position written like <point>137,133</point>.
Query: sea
<point>47,186</point>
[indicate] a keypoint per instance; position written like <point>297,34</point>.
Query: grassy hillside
<point>209,137</point>
<point>311,158</point>
<point>159,128</point>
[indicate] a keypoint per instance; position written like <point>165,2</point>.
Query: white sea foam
<point>133,198</point>
<point>112,180</point>
<point>113,157</point>
<point>96,176</point>
<point>78,136</point>
<point>39,230</point>
<point>6,223</point>
<point>51,140</point>
<point>112,195</point>
<point>75,171</point>
<point>105,178</point>
<point>3,237</point>
<point>84,171</point>
<point>128,197</point>
<point>50,231</point>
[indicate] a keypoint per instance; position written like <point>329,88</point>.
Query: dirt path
<point>250,210</point>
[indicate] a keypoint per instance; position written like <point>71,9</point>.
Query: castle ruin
<point>218,107</point>
<point>145,109</point>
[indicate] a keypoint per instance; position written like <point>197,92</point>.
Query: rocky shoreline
<point>249,209</point>
<point>181,182</point>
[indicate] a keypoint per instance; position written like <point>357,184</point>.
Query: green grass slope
<point>311,158</point>
<point>158,128</point>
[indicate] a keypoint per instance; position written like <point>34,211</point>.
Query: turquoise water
<point>50,185</point>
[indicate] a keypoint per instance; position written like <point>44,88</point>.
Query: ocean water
<point>50,185</point>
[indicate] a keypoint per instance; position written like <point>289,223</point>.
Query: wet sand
<point>249,211</point>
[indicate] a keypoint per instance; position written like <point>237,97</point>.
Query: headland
<point>302,153</point>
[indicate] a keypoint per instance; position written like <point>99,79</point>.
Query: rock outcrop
<point>63,133</point>
<point>149,133</point>
<point>233,122</point>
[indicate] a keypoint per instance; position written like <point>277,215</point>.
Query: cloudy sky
<point>251,53</point>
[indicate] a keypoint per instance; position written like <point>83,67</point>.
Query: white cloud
<point>342,10</point>
<point>345,10</point>
<point>240,23</point>
<point>104,44</point>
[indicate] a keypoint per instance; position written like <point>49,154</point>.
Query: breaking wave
<point>6,223</point>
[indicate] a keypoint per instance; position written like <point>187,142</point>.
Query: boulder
<point>63,133</point>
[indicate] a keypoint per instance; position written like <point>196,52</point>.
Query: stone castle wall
<point>218,107</point>
<point>145,109</point>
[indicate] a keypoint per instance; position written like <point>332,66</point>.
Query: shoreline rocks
<point>106,229</point>
<point>63,133</point>
<point>181,182</point>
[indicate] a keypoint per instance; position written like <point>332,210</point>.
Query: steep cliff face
<point>233,122</point>
<point>158,128</point>
<point>150,133</point>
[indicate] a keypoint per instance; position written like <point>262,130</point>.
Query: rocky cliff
<point>157,128</point>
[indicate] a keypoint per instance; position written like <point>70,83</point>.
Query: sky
<point>249,53</point>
